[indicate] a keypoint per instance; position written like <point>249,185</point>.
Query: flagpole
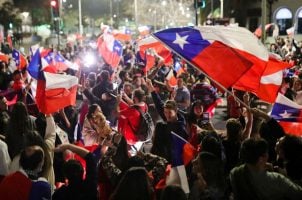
<point>217,83</point>
<point>263,20</point>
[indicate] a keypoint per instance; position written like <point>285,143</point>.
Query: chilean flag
<point>264,81</point>
<point>224,53</point>
<point>54,62</point>
<point>148,44</point>
<point>19,59</point>
<point>182,153</point>
<point>4,57</point>
<point>54,91</point>
<point>122,35</point>
<point>289,115</point>
<point>174,73</point>
<point>271,79</point>
<point>110,49</point>
<point>143,31</point>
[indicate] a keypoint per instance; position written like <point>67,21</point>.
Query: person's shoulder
<point>60,191</point>
<point>237,170</point>
<point>3,145</point>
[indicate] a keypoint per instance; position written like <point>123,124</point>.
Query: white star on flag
<point>285,114</point>
<point>181,41</point>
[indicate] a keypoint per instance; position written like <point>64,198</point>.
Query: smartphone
<point>205,118</point>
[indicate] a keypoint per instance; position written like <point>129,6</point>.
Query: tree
<point>39,10</point>
<point>9,14</point>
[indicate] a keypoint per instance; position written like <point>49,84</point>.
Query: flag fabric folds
<point>4,57</point>
<point>149,46</point>
<point>182,153</point>
<point>122,35</point>
<point>271,79</point>
<point>55,62</point>
<point>264,80</point>
<point>143,31</point>
<point>110,49</point>
<point>288,114</point>
<point>223,53</point>
<point>54,91</point>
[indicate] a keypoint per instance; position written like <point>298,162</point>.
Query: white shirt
<point>4,159</point>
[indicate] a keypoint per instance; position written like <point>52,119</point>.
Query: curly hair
<point>102,127</point>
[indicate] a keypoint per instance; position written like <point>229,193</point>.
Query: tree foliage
<point>38,9</point>
<point>9,14</point>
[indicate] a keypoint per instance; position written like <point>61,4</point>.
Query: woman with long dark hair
<point>21,124</point>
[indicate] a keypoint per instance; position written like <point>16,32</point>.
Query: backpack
<point>146,126</point>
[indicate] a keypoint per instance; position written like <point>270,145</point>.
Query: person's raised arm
<point>82,152</point>
<point>169,87</point>
<point>248,127</point>
<point>159,104</point>
<point>85,154</point>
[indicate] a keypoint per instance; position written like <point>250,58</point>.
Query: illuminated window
<point>299,21</point>
<point>284,19</point>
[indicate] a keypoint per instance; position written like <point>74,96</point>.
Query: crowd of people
<point>90,150</point>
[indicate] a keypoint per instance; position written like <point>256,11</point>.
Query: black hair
<point>31,157</point>
<point>212,169</point>
<point>16,72</point>
<point>122,74</point>
<point>73,171</point>
<point>139,94</point>
<point>233,128</point>
<point>252,149</point>
<point>135,184</point>
<point>91,110</point>
<point>174,192</point>
<point>105,75</point>
<point>192,117</point>
<point>212,143</point>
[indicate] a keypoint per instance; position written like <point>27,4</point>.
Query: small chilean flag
<point>288,114</point>
<point>19,59</point>
<point>54,91</point>
<point>110,49</point>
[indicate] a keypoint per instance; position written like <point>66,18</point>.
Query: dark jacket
<point>162,140</point>
<point>86,189</point>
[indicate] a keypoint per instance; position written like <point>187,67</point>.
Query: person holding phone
<point>198,120</point>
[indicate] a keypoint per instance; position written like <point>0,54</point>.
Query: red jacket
<point>129,121</point>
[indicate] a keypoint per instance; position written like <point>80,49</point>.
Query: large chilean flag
<point>224,53</point>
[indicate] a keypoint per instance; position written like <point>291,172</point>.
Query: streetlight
<point>80,17</point>
<point>164,3</point>
<point>111,19</point>
<point>221,8</point>
<point>135,14</point>
<point>263,19</point>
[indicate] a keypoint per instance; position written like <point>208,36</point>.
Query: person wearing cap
<point>173,121</point>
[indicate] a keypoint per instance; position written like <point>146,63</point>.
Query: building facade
<point>284,13</point>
